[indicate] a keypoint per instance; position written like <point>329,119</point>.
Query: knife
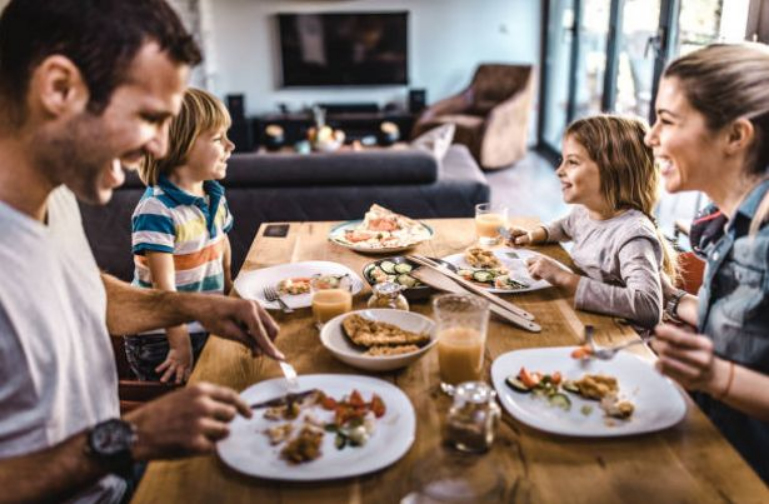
<point>283,400</point>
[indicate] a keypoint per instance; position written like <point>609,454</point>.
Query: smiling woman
<point>712,135</point>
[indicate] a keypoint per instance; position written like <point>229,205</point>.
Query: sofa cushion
<point>373,167</point>
<point>436,141</point>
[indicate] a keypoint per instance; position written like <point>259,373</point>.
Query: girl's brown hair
<point>726,82</point>
<point>629,179</point>
<point>201,112</point>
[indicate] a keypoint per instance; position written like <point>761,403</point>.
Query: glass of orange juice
<point>331,296</point>
<point>488,219</point>
<point>461,324</point>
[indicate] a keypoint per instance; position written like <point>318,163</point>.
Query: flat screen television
<point>346,48</point>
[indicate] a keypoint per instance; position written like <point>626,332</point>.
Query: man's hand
<point>185,422</point>
<point>240,320</point>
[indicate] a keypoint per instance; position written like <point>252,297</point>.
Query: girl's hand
<point>688,359</point>
<point>178,363</point>
<point>518,237</point>
<point>544,268</point>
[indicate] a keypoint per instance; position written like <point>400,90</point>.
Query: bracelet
<point>671,308</point>
<point>729,382</point>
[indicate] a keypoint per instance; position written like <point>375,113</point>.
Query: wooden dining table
<point>689,462</point>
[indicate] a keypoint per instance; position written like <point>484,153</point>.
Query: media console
<point>356,125</point>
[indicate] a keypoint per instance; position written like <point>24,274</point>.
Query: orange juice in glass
<point>462,321</point>
<point>331,296</point>
<point>488,219</point>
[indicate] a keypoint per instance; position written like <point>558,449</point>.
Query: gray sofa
<point>281,187</point>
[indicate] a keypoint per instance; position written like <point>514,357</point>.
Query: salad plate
<point>511,259</point>
<point>248,450</point>
<point>251,284</point>
<point>658,403</point>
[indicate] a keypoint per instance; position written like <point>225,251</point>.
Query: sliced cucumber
<point>388,267</point>
<point>569,386</point>
<point>516,384</point>
<point>559,400</point>
<point>483,276</point>
<point>406,281</point>
<point>403,268</point>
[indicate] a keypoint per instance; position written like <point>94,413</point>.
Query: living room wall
<point>447,40</point>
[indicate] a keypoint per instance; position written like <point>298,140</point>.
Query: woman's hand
<point>178,363</point>
<point>688,359</point>
<point>544,268</point>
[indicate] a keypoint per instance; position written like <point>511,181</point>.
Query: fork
<point>607,353</point>
<point>270,294</point>
<point>290,373</point>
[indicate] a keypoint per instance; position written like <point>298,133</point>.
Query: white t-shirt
<point>57,371</point>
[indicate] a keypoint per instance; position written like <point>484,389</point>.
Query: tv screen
<point>344,49</point>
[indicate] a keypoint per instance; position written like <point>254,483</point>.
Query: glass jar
<point>473,418</point>
<point>388,295</point>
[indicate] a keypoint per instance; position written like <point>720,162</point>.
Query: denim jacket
<point>734,313</point>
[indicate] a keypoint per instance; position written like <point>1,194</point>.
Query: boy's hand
<point>178,363</point>
<point>518,237</point>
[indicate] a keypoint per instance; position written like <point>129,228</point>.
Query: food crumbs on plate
<point>586,409</point>
<point>352,423</point>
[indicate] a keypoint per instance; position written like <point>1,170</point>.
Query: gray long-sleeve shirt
<point>622,259</point>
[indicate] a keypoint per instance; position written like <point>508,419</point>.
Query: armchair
<point>491,115</point>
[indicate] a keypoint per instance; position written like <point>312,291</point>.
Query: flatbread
<point>368,333</point>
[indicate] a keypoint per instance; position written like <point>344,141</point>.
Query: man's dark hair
<point>101,37</point>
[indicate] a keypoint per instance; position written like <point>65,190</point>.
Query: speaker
<point>417,100</point>
<point>240,134</point>
<point>236,104</point>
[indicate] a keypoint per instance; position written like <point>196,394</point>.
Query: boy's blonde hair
<point>201,112</point>
<point>629,179</point>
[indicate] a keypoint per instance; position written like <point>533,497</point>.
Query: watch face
<point>112,437</point>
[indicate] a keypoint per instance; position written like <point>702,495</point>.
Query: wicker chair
<point>491,115</point>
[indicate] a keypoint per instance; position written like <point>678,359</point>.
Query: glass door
<point>557,72</point>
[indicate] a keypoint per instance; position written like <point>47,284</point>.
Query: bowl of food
<point>379,339</point>
<point>397,270</point>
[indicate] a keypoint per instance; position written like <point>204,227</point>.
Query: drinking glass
<point>446,477</point>
<point>331,296</point>
<point>461,323</point>
<point>488,219</point>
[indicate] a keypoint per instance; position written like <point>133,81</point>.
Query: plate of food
<point>500,271</point>
<point>549,390</point>
<point>381,232</point>
<point>379,339</point>
<point>291,281</point>
<point>338,427</point>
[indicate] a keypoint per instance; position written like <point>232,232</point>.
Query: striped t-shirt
<point>191,228</point>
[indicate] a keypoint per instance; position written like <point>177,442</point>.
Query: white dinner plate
<point>515,261</point>
<point>333,338</point>
<point>251,284</point>
<point>336,235</point>
<point>659,403</point>
<point>248,450</point>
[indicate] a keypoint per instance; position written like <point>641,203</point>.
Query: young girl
<point>609,173</point>
<point>179,231</point>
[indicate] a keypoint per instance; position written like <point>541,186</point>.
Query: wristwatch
<point>671,307</point>
<point>110,443</point>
